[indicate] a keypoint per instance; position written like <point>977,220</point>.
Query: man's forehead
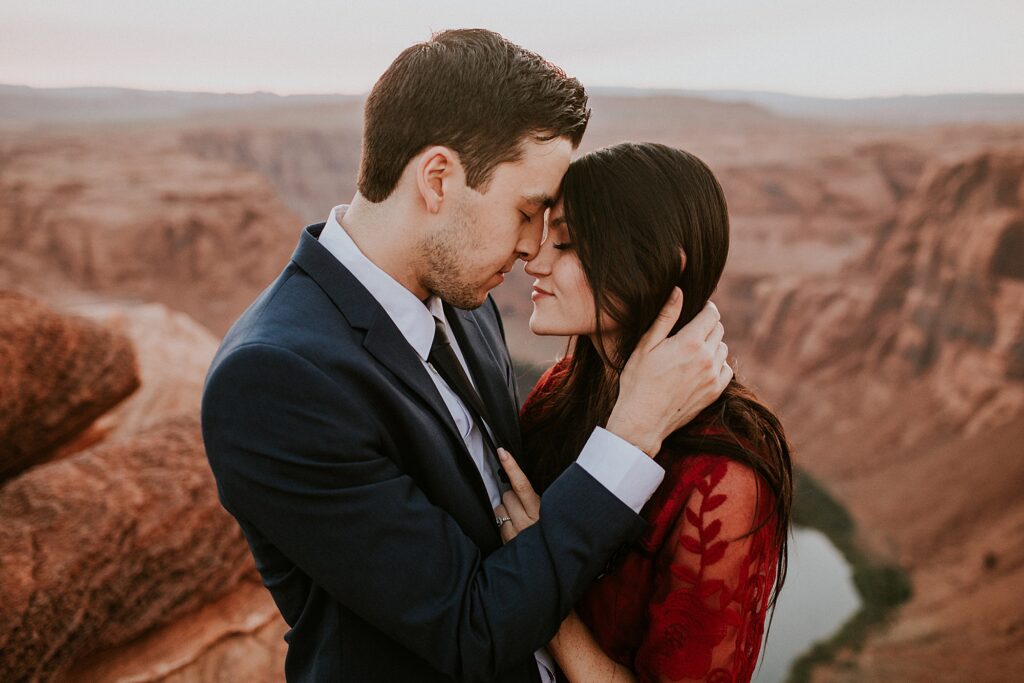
<point>540,199</point>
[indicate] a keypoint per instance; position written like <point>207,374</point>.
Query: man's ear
<point>435,169</point>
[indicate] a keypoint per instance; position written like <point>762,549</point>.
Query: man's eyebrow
<point>542,199</point>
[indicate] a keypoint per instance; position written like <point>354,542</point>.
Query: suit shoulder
<point>292,314</point>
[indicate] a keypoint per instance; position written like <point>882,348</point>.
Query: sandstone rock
<point>173,354</point>
<point>237,637</point>
<point>97,548</point>
<point>938,299</point>
<point>58,373</point>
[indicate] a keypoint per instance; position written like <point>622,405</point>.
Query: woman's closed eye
<point>562,246</point>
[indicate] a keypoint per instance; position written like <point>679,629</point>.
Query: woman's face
<point>563,303</point>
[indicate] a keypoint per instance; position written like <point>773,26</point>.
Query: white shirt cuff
<point>622,468</point>
<point>546,665</point>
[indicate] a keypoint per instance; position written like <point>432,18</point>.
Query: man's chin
<point>466,302</point>
<point>481,295</point>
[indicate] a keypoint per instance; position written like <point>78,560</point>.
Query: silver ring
<point>501,520</point>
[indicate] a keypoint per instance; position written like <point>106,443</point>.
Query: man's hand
<point>669,380</point>
<point>521,502</point>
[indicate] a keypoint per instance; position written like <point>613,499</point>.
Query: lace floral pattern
<point>688,601</point>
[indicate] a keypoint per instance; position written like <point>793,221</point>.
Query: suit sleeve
<point>297,455</point>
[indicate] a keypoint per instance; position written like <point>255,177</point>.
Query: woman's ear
<point>682,259</point>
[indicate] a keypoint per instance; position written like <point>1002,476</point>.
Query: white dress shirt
<point>626,471</point>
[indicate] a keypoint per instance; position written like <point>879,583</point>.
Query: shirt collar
<point>412,318</point>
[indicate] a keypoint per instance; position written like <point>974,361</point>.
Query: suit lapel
<point>488,376</point>
<point>386,344</point>
<point>391,349</point>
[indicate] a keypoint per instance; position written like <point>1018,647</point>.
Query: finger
<point>507,531</point>
<point>724,377</point>
<point>520,483</point>
<point>721,355</point>
<point>516,510</point>
<point>662,325</point>
<point>716,334</point>
<point>702,324</point>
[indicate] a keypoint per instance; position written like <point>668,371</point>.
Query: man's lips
<point>502,273</point>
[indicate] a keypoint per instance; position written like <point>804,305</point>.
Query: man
<point>352,413</point>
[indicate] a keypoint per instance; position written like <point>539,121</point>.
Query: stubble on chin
<point>443,256</point>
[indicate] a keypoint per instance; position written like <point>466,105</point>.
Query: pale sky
<point>805,47</point>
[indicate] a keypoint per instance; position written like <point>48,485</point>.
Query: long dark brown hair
<point>629,209</point>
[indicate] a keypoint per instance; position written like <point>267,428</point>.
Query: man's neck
<point>382,231</point>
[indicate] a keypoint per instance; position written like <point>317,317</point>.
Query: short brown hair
<point>473,91</point>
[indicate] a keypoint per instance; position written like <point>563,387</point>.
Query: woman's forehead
<point>556,214</point>
<point>556,221</point>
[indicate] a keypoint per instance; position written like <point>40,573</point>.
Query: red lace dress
<point>687,602</point>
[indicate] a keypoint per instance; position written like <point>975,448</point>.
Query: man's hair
<point>473,91</point>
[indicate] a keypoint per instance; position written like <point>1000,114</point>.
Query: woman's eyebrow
<point>558,222</point>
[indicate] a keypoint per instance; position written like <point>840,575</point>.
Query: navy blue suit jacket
<point>367,518</point>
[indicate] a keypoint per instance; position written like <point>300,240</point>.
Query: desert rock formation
<point>57,375</point>
<point>122,540</point>
<point>900,378</point>
<point>134,217</point>
<point>88,545</point>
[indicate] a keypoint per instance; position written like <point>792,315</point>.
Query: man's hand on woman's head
<point>668,380</point>
<point>521,503</point>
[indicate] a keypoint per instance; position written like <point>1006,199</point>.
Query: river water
<point>817,599</point>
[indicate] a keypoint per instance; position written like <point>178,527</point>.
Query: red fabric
<point>688,600</point>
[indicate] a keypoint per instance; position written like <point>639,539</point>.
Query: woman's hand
<point>573,647</point>
<point>521,503</point>
<point>668,380</point>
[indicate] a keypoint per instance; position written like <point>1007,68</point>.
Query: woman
<point>688,601</point>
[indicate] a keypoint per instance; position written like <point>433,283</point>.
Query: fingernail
<point>503,454</point>
<point>676,293</point>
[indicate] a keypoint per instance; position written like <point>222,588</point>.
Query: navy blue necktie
<point>442,357</point>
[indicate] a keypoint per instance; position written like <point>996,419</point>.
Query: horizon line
<point>591,89</point>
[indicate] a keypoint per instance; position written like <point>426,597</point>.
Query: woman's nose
<point>540,264</point>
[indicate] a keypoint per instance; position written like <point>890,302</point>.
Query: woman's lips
<point>539,293</point>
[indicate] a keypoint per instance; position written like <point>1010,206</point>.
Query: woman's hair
<point>629,209</point>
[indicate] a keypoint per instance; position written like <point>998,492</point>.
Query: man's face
<point>483,234</point>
